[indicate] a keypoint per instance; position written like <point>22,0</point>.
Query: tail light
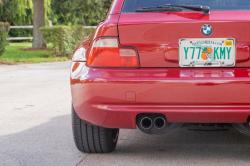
<point>106,52</point>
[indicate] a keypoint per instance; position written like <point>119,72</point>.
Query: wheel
<point>92,139</point>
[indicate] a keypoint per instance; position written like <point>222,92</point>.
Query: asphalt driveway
<point>35,129</point>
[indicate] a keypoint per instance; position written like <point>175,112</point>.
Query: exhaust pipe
<point>155,123</point>
<point>146,123</point>
<point>159,122</point>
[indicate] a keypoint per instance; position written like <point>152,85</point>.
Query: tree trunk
<point>38,22</point>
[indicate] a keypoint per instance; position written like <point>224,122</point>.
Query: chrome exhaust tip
<point>146,123</point>
<point>159,122</point>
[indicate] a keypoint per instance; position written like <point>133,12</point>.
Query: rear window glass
<point>130,5</point>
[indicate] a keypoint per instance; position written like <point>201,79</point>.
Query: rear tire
<point>92,139</point>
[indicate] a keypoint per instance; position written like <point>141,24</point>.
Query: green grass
<point>21,44</point>
<point>14,55</point>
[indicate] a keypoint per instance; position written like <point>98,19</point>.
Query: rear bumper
<point>113,98</point>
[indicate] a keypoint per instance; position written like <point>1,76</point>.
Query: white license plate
<point>211,52</point>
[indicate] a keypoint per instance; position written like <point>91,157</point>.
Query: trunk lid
<point>156,35</point>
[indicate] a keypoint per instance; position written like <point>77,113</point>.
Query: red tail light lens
<point>106,52</point>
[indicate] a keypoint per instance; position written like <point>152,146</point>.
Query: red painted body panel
<point>116,7</point>
<point>156,34</point>
<point>218,95</point>
<point>108,27</point>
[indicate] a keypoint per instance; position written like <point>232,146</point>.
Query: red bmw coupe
<point>158,65</point>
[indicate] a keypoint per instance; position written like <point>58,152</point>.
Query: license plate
<point>212,52</point>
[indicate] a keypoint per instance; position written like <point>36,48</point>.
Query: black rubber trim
<point>85,137</point>
<point>90,137</point>
<point>97,139</point>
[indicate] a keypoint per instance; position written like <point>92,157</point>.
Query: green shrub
<point>4,29</point>
<point>64,39</point>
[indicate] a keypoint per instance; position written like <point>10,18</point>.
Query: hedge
<point>64,39</point>
<point>4,30</point>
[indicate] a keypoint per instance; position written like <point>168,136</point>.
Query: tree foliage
<point>78,12</point>
<point>61,12</point>
<point>16,12</point>
<point>20,12</point>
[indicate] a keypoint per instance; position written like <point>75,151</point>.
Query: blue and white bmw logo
<point>206,30</point>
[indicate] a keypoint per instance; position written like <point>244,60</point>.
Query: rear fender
<point>106,28</point>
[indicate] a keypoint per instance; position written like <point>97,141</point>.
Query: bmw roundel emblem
<point>206,30</point>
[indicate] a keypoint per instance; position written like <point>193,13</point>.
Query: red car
<point>158,67</point>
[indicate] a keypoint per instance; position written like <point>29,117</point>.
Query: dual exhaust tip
<point>158,122</point>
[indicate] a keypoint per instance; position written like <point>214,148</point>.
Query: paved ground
<point>35,129</point>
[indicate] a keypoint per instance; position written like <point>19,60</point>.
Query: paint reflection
<point>209,73</point>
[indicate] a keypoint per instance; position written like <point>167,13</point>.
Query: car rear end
<point>162,69</point>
